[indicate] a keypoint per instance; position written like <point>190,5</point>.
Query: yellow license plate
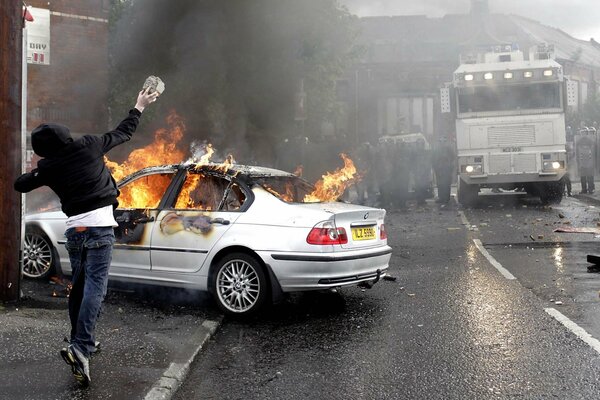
<point>363,233</point>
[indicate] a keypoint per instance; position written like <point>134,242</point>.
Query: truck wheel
<point>467,194</point>
<point>551,193</point>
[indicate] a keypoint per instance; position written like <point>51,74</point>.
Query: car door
<point>138,208</point>
<point>204,210</point>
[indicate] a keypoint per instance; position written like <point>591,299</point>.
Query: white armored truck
<point>510,123</point>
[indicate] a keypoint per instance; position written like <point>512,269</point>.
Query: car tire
<point>239,284</point>
<point>39,256</point>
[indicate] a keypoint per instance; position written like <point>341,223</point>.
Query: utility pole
<point>11,36</point>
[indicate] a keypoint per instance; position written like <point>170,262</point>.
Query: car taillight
<point>382,232</point>
<point>325,233</point>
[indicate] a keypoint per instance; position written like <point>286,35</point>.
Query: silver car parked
<point>243,233</point>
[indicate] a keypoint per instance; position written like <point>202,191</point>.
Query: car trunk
<point>362,224</point>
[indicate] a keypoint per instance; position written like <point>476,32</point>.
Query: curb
<point>587,198</point>
<point>175,374</point>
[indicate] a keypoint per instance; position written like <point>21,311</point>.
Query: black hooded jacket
<point>75,169</point>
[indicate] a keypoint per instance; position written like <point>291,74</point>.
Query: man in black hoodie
<point>76,172</point>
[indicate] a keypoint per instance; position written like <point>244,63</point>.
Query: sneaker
<point>96,349</point>
<point>80,365</point>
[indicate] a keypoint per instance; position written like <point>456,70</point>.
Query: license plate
<point>511,149</point>
<point>363,233</point>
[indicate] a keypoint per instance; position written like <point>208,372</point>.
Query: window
<point>144,192</point>
<point>290,189</point>
<point>509,97</point>
<point>209,193</point>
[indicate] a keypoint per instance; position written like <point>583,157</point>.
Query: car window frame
<point>147,172</point>
<point>171,195</point>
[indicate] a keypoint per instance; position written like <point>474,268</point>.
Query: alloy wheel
<point>238,286</point>
<point>37,256</point>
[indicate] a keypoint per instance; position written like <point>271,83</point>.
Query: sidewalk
<point>593,198</point>
<point>146,345</point>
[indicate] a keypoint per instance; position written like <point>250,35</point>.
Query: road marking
<point>576,329</point>
<point>492,260</point>
<point>464,219</point>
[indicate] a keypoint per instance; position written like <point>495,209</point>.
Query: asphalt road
<point>451,327</point>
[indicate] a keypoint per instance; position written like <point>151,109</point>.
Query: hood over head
<point>47,140</point>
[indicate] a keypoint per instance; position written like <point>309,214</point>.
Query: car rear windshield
<point>290,189</point>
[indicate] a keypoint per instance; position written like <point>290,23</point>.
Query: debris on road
<point>389,278</point>
<point>577,230</point>
<point>558,303</point>
<point>593,259</point>
<point>561,215</point>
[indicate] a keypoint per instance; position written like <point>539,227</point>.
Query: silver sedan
<point>243,233</point>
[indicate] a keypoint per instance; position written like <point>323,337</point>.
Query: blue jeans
<point>90,252</point>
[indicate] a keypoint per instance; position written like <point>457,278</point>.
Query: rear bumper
<point>313,271</point>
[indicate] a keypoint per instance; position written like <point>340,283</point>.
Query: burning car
<point>246,234</point>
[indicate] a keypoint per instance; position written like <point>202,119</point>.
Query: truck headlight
<point>552,165</point>
<point>472,168</point>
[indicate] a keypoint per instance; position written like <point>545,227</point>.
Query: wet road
<point>451,327</point>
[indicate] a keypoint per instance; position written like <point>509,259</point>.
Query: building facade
<point>394,88</point>
<point>73,88</point>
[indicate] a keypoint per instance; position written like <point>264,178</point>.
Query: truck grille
<point>500,164</point>
<point>511,135</point>
<point>524,162</point>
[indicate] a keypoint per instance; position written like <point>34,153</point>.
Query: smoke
<point>232,69</point>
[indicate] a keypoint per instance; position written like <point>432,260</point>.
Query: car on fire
<point>243,233</point>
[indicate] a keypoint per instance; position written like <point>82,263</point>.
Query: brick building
<point>73,88</point>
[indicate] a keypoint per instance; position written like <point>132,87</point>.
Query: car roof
<point>237,170</point>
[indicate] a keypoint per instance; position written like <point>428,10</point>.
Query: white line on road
<point>464,219</point>
<point>492,260</point>
<point>576,329</point>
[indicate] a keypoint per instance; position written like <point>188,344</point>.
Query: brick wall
<point>73,90</point>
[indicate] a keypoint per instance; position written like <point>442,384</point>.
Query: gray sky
<point>579,18</point>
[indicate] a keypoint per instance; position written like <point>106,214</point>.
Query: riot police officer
<point>443,165</point>
<point>586,157</point>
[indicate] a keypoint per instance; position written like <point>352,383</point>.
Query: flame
<point>184,200</point>
<point>205,159</point>
<point>333,184</point>
<point>146,193</point>
<point>299,170</point>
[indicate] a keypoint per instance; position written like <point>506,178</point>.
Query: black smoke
<point>232,68</point>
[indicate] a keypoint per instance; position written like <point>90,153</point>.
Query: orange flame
<point>146,193</point>
<point>333,184</point>
<point>299,170</point>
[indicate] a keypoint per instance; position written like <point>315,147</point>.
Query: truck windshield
<point>509,97</point>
